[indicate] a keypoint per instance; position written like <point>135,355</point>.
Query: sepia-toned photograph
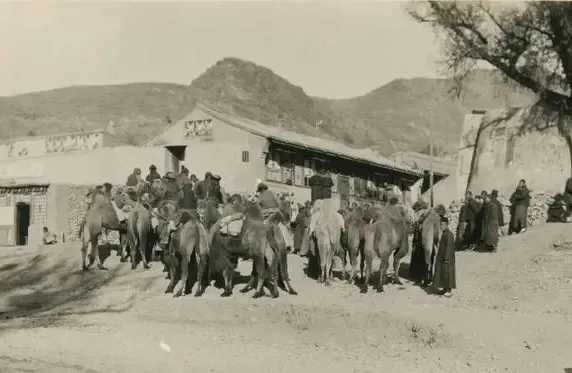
<point>285,186</point>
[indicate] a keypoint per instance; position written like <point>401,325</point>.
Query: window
<point>245,156</point>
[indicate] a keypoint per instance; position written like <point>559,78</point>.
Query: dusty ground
<point>512,313</point>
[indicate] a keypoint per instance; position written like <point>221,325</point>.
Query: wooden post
<point>431,164</point>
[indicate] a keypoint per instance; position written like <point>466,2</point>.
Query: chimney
<point>111,128</point>
<point>279,122</point>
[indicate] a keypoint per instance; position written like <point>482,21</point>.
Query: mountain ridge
<point>393,117</point>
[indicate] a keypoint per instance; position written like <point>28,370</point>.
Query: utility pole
<point>431,162</point>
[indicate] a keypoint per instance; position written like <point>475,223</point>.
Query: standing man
<point>470,216</point>
<point>172,189</point>
<point>134,179</point>
<point>216,192</point>
<point>153,174</point>
<point>444,277</point>
<point>520,200</point>
<point>493,220</point>
<point>204,186</point>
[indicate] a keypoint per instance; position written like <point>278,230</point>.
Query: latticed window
<point>39,209</point>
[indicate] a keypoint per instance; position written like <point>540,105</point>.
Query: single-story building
<point>241,150</point>
<point>44,185</point>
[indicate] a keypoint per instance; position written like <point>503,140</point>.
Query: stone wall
<point>514,144</point>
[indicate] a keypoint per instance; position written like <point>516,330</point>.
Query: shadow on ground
<point>51,278</point>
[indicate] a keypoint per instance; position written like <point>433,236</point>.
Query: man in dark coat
<point>189,200</point>
<point>172,189</point>
<point>134,178</point>
<point>153,174</point>
<point>468,215</point>
<point>520,200</point>
<point>204,186</point>
<point>493,219</point>
<point>444,274</point>
<point>266,198</point>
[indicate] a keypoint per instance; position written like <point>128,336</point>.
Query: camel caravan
<point>199,233</point>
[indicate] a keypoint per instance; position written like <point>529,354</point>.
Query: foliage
<point>529,43</point>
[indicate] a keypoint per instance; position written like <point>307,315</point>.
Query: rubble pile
<point>537,211</point>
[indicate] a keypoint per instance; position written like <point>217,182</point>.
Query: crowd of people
<point>481,218</point>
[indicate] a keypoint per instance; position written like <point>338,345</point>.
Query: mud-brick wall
<point>67,207</point>
<point>503,156</point>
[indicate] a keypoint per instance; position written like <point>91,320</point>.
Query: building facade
<point>43,180</point>
<point>242,151</point>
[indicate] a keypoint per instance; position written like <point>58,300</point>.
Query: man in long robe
<point>469,217</point>
<point>444,274</point>
<point>134,178</point>
<point>493,219</point>
<point>520,200</point>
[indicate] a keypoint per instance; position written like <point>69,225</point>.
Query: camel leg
<point>397,257</point>
<point>143,241</point>
<point>202,261</point>
<point>227,274</point>
<point>362,258</point>
<point>353,247</point>
<point>285,277</point>
<point>174,273</point>
<point>329,264</point>
<point>368,265</point>
<point>95,252</point>
<point>260,270</point>
<point>383,265</point>
<point>185,261</point>
<point>84,245</point>
<point>272,270</point>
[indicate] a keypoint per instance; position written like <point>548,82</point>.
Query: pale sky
<point>330,49</point>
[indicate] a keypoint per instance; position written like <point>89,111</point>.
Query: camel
<point>188,239</point>
<point>428,235</point>
<point>100,217</point>
<point>385,234</point>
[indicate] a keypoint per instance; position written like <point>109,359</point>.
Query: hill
<point>394,117</point>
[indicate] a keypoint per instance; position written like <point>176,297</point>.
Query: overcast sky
<point>330,49</point>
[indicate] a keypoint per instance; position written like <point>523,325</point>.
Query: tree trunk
<point>568,138</point>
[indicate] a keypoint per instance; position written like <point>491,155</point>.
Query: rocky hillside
<point>391,118</point>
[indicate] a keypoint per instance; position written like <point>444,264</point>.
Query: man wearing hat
<point>266,198</point>
<point>217,192</point>
<point>204,186</point>
<point>134,178</point>
<point>444,277</point>
<point>173,190</point>
<point>153,174</point>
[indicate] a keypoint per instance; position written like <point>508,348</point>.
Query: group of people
<point>481,218</point>
<point>186,190</point>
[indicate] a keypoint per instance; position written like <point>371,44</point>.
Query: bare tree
<point>529,43</point>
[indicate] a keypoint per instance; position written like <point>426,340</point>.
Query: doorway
<point>22,223</point>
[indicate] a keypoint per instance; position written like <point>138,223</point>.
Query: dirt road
<point>512,313</point>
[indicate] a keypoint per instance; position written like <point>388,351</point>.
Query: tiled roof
<point>420,161</point>
<point>309,142</point>
<point>23,188</point>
